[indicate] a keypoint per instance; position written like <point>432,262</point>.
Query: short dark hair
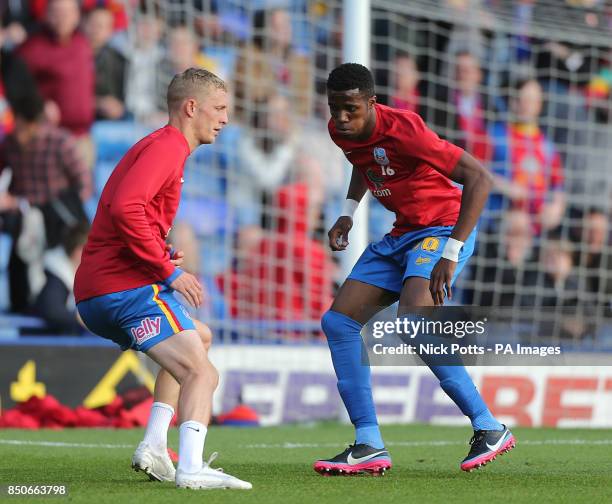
<point>519,84</point>
<point>404,55</point>
<point>351,76</point>
<point>75,237</point>
<point>96,8</point>
<point>465,52</point>
<point>511,86</point>
<point>28,106</point>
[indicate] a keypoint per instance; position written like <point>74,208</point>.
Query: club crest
<point>380,156</point>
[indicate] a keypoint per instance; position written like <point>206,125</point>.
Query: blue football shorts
<point>136,318</point>
<point>387,263</point>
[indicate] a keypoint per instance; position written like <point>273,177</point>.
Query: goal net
<point>523,86</point>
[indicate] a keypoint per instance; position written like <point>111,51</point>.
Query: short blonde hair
<point>188,83</point>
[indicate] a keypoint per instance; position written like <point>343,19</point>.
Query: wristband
<point>175,274</point>
<point>349,207</point>
<point>452,249</point>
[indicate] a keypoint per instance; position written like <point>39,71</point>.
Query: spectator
<point>14,80</point>
<point>55,302</point>
<point>567,64</point>
<point>184,52</point>
<point>506,267</point>
<point>200,14</point>
<point>16,83</point>
<point>462,114</point>
<point>6,115</point>
<point>324,165</point>
<point>266,155</point>
<point>409,91</point>
<point>47,173</point>
<point>589,153</point>
<point>558,281</point>
<point>110,65</point>
<point>565,107</point>
<point>142,96</point>
<point>115,7</point>
<point>594,257</point>
<point>61,60</point>
<point>527,167</point>
<point>464,34</point>
<point>558,291</point>
<point>288,276</point>
<point>269,63</point>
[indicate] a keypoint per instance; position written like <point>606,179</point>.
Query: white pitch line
<point>589,442</point>
<point>568,442</point>
<point>60,444</point>
<point>557,442</point>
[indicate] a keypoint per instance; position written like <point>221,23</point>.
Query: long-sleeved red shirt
<point>64,73</point>
<point>126,248</point>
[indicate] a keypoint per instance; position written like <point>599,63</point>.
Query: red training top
<point>406,167</point>
<point>126,248</point>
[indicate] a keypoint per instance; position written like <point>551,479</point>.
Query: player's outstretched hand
<point>189,286</point>
<point>338,234</point>
<point>441,276</point>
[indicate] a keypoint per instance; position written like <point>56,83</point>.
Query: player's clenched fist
<point>189,286</point>
<point>338,234</point>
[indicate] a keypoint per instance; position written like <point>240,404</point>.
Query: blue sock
<point>458,385</point>
<point>344,340</point>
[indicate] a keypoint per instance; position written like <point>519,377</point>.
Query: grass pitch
<point>547,465</point>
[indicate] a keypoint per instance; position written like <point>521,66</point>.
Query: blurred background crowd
<point>523,85</point>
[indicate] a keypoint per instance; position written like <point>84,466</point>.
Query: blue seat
<point>114,138</point>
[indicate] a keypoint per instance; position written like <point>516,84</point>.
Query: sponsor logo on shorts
<point>422,260</point>
<point>147,329</point>
<point>430,244</point>
<point>185,312</point>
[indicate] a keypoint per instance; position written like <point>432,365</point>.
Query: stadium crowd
<point>82,81</point>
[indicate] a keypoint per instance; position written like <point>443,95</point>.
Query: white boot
<point>157,466</point>
<point>208,478</point>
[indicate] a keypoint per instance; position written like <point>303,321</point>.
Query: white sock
<point>156,434</point>
<point>191,446</point>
